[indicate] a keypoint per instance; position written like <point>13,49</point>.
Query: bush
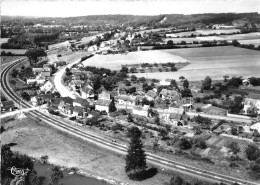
<point>185,144</point>
<point>252,152</point>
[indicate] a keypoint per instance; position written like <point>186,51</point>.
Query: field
<point>15,51</point>
<point>114,62</point>
<point>255,42</point>
<point>247,36</point>
<point>218,31</point>
<point>7,59</point>
<point>3,40</point>
<point>215,62</point>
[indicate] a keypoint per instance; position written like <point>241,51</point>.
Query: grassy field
<point>246,36</point>
<point>114,62</point>
<point>215,62</point>
<point>218,31</point>
<point>255,42</point>
<point>35,138</point>
<point>7,59</point>
<point>15,51</point>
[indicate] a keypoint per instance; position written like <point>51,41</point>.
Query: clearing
<point>214,62</point>
<point>114,62</point>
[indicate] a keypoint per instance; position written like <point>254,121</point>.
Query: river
<point>44,170</point>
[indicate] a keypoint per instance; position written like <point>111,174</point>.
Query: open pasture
<point>246,36</point>
<point>114,62</point>
<point>255,42</point>
<point>214,62</point>
<point>217,31</point>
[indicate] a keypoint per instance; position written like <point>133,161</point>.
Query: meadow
<point>255,42</point>
<point>114,62</point>
<point>214,62</point>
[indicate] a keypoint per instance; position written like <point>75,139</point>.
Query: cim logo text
<point>19,171</point>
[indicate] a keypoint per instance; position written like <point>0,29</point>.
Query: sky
<point>71,8</point>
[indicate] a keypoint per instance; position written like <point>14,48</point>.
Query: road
<point>155,159</point>
<point>64,91</point>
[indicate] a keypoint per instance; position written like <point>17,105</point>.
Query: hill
<point>134,20</point>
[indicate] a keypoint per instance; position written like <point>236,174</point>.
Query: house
<point>103,93</point>
<point>165,82</point>
<point>169,94</point>
<point>59,63</point>
<point>7,105</point>
<point>125,100</point>
<point>46,72</point>
<point>42,99</point>
<point>252,100</point>
<point>67,100</point>
<point>178,116</point>
<point>38,80</point>
<point>79,112</point>
<point>37,70</point>
<point>80,102</point>
<point>103,105</point>
<point>141,111</point>
<point>150,95</point>
<point>256,127</point>
<point>87,91</point>
<point>47,87</point>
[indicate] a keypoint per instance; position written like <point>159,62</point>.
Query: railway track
<point>155,159</point>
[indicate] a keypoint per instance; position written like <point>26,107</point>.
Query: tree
<point>186,84</point>
<point>169,42</point>
<point>197,130</point>
<point>235,43</point>
<point>186,93</point>
<point>136,157</point>
<point>124,70</point>
<point>252,152</point>
<point>255,169</point>
<point>164,133</point>
<point>130,118</point>
<point>33,178</point>
<point>233,146</point>
<point>34,54</point>
<point>225,78</point>
<point>185,144</point>
<point>200,143</point>
<point>206,84</point>
<point>133,78</point>
<point>56,175</point>
<point>234,130</point>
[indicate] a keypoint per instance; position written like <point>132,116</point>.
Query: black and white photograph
<point>130,92</point>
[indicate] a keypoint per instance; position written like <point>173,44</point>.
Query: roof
<point>82,102</point>
<point>175,116</point>
<point>151,93</point>
<point>7,103</point>
<point>56,102</point>
<point>126,98</point>
<point>78,109</point>
<point>102,89</point>
<point>140,108</point>
<point>77,82</point>
<point>103,102</point>
<point>68,107</point>
<point>114,93</point>
<point>176,110</point>
<point>67,100</point>
<point>253,96</point>
<point>256,126</point>
<point>46,96</point>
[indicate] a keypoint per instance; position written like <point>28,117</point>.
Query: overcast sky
<point>67,8</point>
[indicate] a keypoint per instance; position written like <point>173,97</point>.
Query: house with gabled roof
<point>103,105</point>
<point>7,105</point>
<point>87,91</point>
<point>125,100</point>
<point>169,94</point>
<point>81,102</point>
<point>47,87</point>
<point>79,112</point>
<point>252,100</point>
<point>150,95</point>
<point>103,93</point>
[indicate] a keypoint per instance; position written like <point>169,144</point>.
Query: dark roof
<point>253,96</point>
<point>46,96</point>
<point>82,102</point>
<point>103,102</point>
<point>56,102</point>
<point>8,103</point>
<point>67,100</point>
<point>69,107</point>
<point>78,109</point>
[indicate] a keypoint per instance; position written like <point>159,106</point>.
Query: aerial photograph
<point>130,92</point>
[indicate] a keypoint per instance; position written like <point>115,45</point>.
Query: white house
<point>256,126</point>
<point>103,105</point>
<point>47,87</point>
<point>126,100</point>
